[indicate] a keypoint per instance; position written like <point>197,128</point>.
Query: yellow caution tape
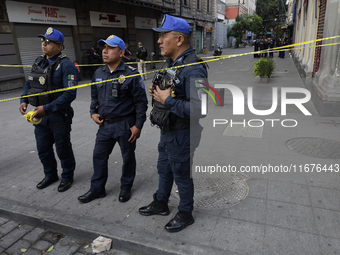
<point>30,119</point>
<point>158,61</point>
<point>128,63</point>
<point>15,66</point>
<point>176,67</point>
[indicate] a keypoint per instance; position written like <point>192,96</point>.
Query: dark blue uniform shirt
<point>129,97</point>
<point>61,80</point>
<point>183,90</point>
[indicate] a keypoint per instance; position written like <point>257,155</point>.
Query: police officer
<point>181,104</point>
<point>271,47</point>
<point>256,48</point>
<point>119,108</point>
<point>261,46</point>
<point>53,70</point>
<point>265,47</point>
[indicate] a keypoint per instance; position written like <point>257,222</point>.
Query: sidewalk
<point>235,213</point>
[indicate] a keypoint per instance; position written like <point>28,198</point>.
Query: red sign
<point>200,24</point>
<point>209,29</point>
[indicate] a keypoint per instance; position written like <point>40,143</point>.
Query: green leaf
<point>50,249</point>
<point>264,67</point>
<point>23,250</point>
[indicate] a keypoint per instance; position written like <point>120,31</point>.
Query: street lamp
<point>238,8</point>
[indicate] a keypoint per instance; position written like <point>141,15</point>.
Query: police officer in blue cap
<point>51,71</point>
<point>119,108</point>
<point>176,111</point>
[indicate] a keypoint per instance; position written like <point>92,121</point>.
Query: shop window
<point>199,5</point>
<point>186,3</point>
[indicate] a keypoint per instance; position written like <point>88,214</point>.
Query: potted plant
<point>264,68</point>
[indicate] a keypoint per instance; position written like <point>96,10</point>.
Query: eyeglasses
<point>47,41</point>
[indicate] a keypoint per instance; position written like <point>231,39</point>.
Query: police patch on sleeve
<point>72,83</point>
<point>141,83</point>
<point>72,80</point>
<point>99,79</point>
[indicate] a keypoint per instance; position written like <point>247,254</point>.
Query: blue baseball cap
<point>53,35</point>
<point>112,41</point>
<point>171,23</point>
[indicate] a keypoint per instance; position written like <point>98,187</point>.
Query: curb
<point>123,238</point>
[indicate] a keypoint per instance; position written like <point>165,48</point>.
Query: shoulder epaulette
<point>62,56</point>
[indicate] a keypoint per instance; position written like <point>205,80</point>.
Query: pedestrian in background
<point>127,57</point>
<point>119,108</point>
<point>93,58</point>
<point>142,54</point>
<point>53,70</point>
<point>281,51</point>
<point>99,53</point>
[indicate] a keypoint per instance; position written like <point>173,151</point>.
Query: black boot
<point>156,207</point>
<point>180,221</point>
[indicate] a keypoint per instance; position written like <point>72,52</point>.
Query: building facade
<point>84,22</point>
<point>200,14</point>
<point>221,25</point>
<point>319,66</point>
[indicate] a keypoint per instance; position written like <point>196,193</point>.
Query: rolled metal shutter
<point>30,44</point>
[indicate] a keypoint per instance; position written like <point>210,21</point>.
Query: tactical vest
<point>160,115</point>
<point>41,81</point>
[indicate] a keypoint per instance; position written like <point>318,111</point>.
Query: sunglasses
<point>47,41</point>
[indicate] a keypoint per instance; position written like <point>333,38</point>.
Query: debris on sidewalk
<point>101,244</point>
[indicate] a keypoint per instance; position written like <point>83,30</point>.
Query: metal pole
<point>238,8</point>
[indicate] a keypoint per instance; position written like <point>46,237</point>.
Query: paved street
<point>291,206</point>
<point>16,238</point>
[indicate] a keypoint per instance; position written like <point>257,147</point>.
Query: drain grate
<point>244,131</point>
<point>315,147</point>
<point>218,193</point>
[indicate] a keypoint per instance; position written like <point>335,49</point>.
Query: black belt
<point>63,111</point>
<point>118,119</point>
<point>179,123</point>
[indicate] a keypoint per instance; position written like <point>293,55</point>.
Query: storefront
<point>199,37</point>
<point>106,24</point>
<point>208,38</point>
<point>30,20</point>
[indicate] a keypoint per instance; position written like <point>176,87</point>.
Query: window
<point>199,7</point>
<point>186,2</point>
<point>208,6</point>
